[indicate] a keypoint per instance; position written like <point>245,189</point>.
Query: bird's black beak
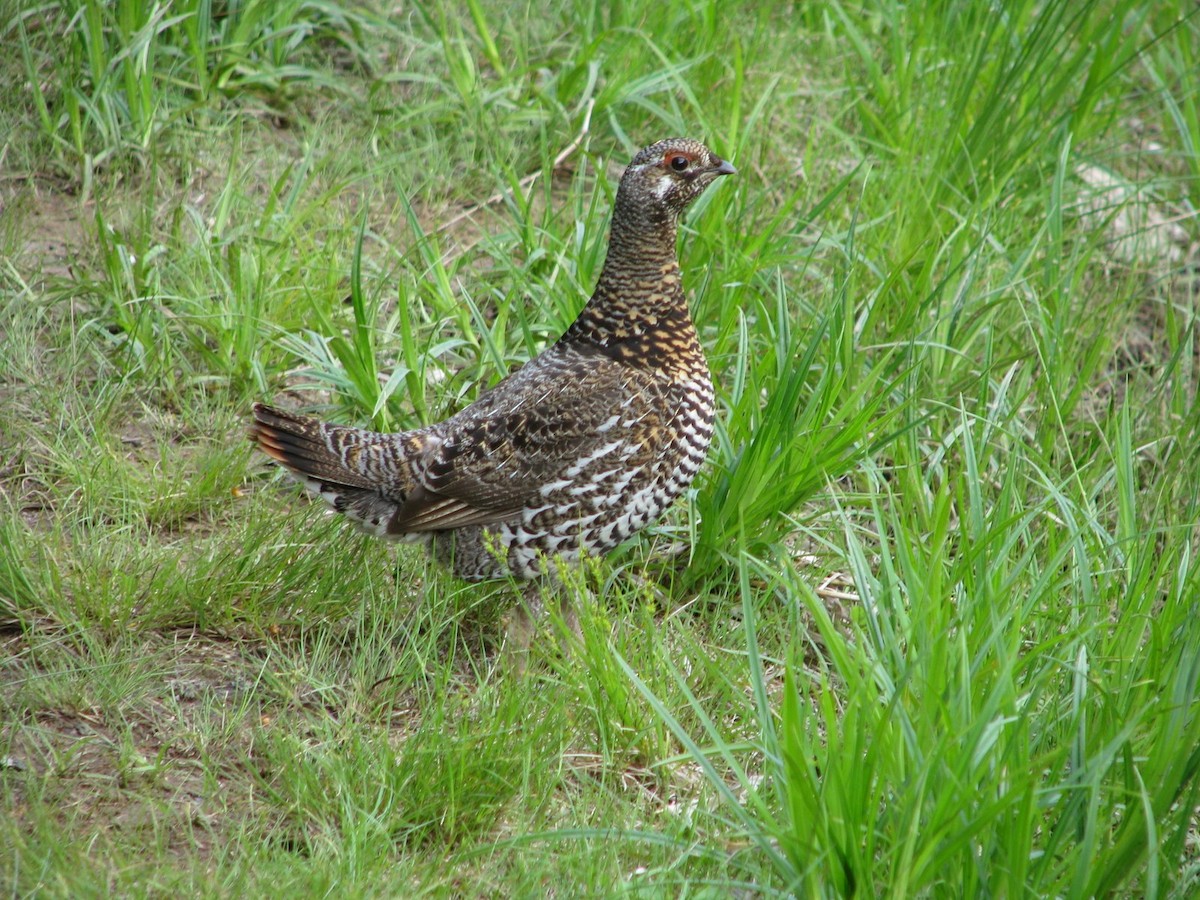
<point>725,168</point>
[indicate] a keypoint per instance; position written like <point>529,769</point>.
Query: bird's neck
<point>638,311</point>
<point>642,258</point>
<point>641,270</point>
<point>641,274</point>
<point>641,240</point>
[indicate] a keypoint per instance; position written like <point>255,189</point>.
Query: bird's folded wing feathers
<point>498,454</point>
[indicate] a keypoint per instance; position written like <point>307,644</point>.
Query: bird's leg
<point>529,611</point>
<point>568,609</point>
<point>521,626</point>
<point>566,614</point>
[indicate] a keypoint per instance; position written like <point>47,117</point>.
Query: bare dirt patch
<point>157,761</point>
<point>1160,241</point>
<point>50,227</point>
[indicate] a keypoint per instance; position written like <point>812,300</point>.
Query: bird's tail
<point>350,469</point>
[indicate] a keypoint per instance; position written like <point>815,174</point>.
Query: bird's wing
<point>525,434</point>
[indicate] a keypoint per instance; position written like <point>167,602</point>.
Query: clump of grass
<point>120,74</point>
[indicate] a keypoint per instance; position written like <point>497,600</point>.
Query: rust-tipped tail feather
<point>302,445</point>
<point>331,461</point>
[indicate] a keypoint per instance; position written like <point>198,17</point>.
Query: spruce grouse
<point>580,448</point>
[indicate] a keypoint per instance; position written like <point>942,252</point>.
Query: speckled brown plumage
<point>580,448</point>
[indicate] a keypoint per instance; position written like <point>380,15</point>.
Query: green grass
<point>925,627</point>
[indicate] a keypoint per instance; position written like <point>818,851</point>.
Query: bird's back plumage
<point>578,449</point>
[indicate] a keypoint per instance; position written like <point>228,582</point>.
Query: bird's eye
<point>679,163</point>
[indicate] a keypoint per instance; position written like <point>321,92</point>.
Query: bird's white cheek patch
<point>662,187</point>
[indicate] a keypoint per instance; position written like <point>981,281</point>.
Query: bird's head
<point>669,175</point>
